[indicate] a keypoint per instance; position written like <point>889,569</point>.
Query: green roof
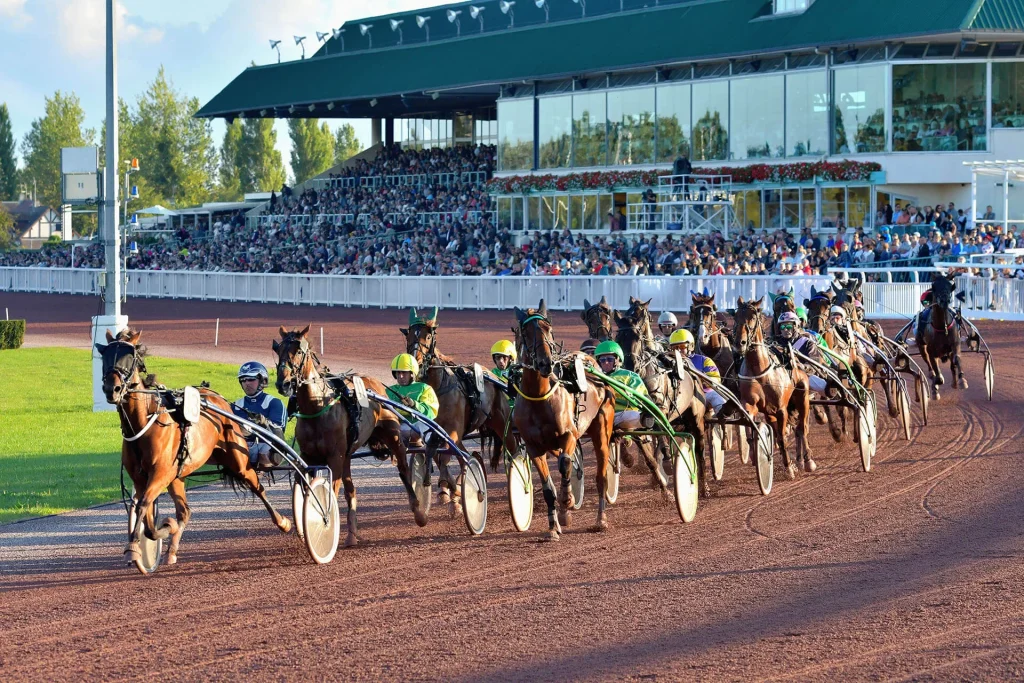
<point>680,32</point>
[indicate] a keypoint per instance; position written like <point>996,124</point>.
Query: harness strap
<point>322,411</point>
<point>152,419</point>
<point>535,398</point>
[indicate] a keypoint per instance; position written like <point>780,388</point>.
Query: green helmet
<point>608,346</point>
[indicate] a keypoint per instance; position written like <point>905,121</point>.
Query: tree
<point>6,230</point>
<point>260,166</point>
<point>312,148</point>
<point>346,144</point>
<point>8,164</point>
<point>60,126</point>
<point>230,186</point>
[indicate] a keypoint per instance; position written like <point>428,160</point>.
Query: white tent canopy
<point>157,210</point>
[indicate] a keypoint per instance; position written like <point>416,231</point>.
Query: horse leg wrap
<point>549,497</point>
<point>564,465</point>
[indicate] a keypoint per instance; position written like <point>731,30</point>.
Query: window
<point>790,6</point>
<point>1008,95</point>
<point>555,132</point>
<point>711,111</point>
<point>757,126</point>
<point>589,129</point>
<point>807,113</point>
<point>631,127</point>
<point>515,139</point>
<point>859,97</point>
<point>673,106</point>
<point>858,207</point>
<point>938,107</point>
<point>748,208</point>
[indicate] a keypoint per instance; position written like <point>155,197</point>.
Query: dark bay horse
<point>938,337</point>
<point>462,409</point>
<point>598,319</point>
<point>152,451</point>
<point>818,321</point>
<point>324,418</point>
<point>781,303</point>
<point>768,388</point>
<point>847,296</point>
<point>550,419</point>
<point>711,337</point>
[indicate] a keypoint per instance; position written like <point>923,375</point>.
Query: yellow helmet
<point>504,348</point>
<point>405,362</point>
<point>681,336</point>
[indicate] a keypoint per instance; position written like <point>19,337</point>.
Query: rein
<point>554,388</point>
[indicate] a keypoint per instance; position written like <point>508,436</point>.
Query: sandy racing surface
<point>910,572</point>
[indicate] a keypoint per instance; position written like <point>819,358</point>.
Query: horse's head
<point>817,310</point>
<point>533,338</point>
<point>749,319</point>
<point>782,302</point>
<point>630,335</point>
<point>703,320</point>
<point>942,291</point>
<point>122,364</point>
<point>420,342</point>
<point>598,318</point>
<point>294,359</point>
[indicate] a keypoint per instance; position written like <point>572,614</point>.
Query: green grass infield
<point>55,453</point>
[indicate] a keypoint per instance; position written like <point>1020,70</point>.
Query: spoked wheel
<point>684,476</point>
<point>611,492</point>
<point>990,376</point>
<point>474,496</point>
<point>520,489</point>
<point>744,444</point>
<point>717,442</point>
<point>866,438</point>
<point>903,404</point>
<point>150,551</point>
<point>298,503</point>
<point>419,475</point>
<point>576,477</point>
<point>765,458</point>
<point>922,396</point>
<point>321,520</point>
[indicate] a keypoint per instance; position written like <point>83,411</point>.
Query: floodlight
<point>506,8</point>
<point>321,36</point>
<point>291,109</point>
<point>583,6</point>
<point>477,13</point>
<point>300,40</point>
<point>453,18</point>
<point>373,102</point>
<point>364,29</point>
<point>339,34</point>
<point>330,106</point>
<point>396,26</point>
<point>421,21</point>
<point>275,45</point>
<point>543,4</point>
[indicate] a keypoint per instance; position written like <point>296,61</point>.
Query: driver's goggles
<point>787,326</point>
<point>606,359</point>
<point>249,378</point>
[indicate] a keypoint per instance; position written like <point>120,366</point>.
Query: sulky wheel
<point>903,404</point>
<point>745,434</point>
<point>520,489</point>
<point>419,475</point>
<point>765,449</point>
<point>990,376</point>
<point>322,520</point>
<point>474,496</point>
<point>150,551</point>
<point>611,492</point>
<point>576,476</point>
<point>717,442</point>
<point>298,502</point>
<point>866,437</point>
<point>684,476</point>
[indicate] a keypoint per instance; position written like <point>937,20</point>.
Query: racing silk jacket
<point>631,380</point>
<point>500,374</point>
<point>423,395</point>
<point>707,366</point>
<point>261,404</point>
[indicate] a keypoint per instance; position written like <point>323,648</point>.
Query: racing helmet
<point>667,318</point>
<point>256,369</point>
<point>681,336</point>
<point>504,347</point>
<point>608,347</point>
<point>788,323</point>
<point>837,310</point>
<point>589,345</point>
<point>801,313</point>
<point>404,362</point>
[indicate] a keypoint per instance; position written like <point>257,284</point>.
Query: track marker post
<point>7,314</point>
<point>321,341</point>
<point>216,334</point>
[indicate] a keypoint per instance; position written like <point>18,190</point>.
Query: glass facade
<point>710,127</point>
<point>938,107</point>
<point>515,135</point>
<point>859,97</point>
<point>757,124</point>
<point>589,129</point>
<point>630,127</point>
<point>807,113</point>
<point>554,132</point>
<point>673,116</point>
<point>1008,95</point>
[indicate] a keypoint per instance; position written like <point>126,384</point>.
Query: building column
<point>375,125</point>
<point>389,131</point>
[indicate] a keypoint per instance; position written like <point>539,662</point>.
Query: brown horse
<point>768,388</point>
<point>782,302</point>
<point>938,337</point>
<point>152,451</point>
<point>598,319</point>
<point>462,408</point>
<point>818,321</point>
<point>325,430</point>
<point>710,336</point>
<point>550,419</point>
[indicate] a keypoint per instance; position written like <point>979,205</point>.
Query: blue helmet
<point>254,369</point>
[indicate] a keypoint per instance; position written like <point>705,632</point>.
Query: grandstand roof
<point>451,73</point>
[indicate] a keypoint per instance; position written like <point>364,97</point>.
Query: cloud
<point>81,28</point>
<point>14,10</point>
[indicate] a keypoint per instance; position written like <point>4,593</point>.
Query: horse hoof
<point>602,523</point>
<point>791,471</point>
<point>809,465</point>
<point>455,509</point>
<point>171,559</point>
<point>627,456</point>
<point>286,525</point>
<point>553,535</point>
<point>443,498</point>
<point>351,540</point>
<point>819,415</point>
<point>420,516</point>
<point>564,518</point>
<point>133,553</point>
<point>655,482</point>
<point>963,384</point>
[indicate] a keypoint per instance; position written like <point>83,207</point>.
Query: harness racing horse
<point>462,409</point>
<point>158,451</point>
<point>598,319</point>
<point>550,419</point>
<point>818,322</point>
<point>938,337</point>
<point>331,426</point>
<point>679,398</point>
<point>712,339</point>
<point>768,388</point>
<point>847,295</point>
<point>781,303</point>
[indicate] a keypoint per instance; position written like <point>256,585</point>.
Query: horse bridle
<point>696,322</point>
<point>605,321</point>
<point>827,324</point>
<point>530,354</point>
<point>749,327</point>
<point>294,369</point>
<point>429,353</point>
<point>124,373</point>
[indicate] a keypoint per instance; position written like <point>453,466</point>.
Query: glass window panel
<point>505,213</point>
<point>858,206</point>
<point>772,209</point>
<point>605,203</point>
<point>517,213</point>
<point>757,118</point>
<point>547,213</point>
<point>1008,95</point>
<point>515,143</point>
<point>807,113</point>
<point>711,116</point>
<point>808,208</point>
<point>938,107</point>
<point>631,127</point>
<point>576,212</point>
<point>673,105</point>
<point>833,207</point>
<point>534,207</point>
<point>859,97</point>
<point>590,215</point>
<point>589,129</point>
<point>561,212</point>
<point>791,208</point>
<point>555,132</point>
<point>748,212</point>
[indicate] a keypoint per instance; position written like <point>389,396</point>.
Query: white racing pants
<point>416,431</point>
<point>818,385</point>
<point>628,420</point>
<point>715,399</point>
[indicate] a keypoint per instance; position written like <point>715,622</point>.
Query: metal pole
<point>111,233</point>
<point>321,341</point>
<point>216,334</point>
<point>1006,201</point>
<point>974,198</point>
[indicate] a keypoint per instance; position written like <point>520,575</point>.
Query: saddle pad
<point>360,391</point>
<point>190,405</point>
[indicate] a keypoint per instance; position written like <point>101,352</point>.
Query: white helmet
<point>837,310</point>
<point>667,318</point>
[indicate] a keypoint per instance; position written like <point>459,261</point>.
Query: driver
<point>837,314</point>
<point>503,353</point>
<point>610,358</point>
<point>261,408</point>
<point>667,323</point>
<point>682,341</point>
<point>416,395</point>
<point>803,341</point>
<point>589,346</point>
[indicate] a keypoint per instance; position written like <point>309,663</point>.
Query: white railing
<point>399,180</point>
<point>301,219</point>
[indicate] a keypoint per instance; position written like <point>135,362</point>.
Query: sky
<point>50,45</point>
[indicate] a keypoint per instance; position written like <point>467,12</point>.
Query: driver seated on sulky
<point>261,408</point>
<point>802,341</point>
<point>667,323</point>
<point>610,358</point>
<point>682,341</point>
<point>418,396</point>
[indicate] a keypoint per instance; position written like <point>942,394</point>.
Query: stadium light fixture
<point>396,27</point>
<point>291,109</point>
<point>330,106</point>
<point>364,29</point>
<point>321,36</point>
<point>583,6</point>
<point>543,4</point>
<point>421,21</point>
<point>453,18</point>
<point>373,102</point>
<point>339,34</point>
<point>263,113</point>
<point>477,13</point>
<point>312,108</point>
<point>301,41</point>
<point>276,45</point>
<point>435,95</point>
<point>506,8</point>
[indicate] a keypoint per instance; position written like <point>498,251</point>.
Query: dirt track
<point>911,572</point>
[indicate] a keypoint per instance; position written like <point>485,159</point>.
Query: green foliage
<point>6,230</point>
<point>346,144</point>
<point>312,148</point>
<point>60,126</point>
<point>229,187</point>
<point>8,164</point>
<point>12,334</point>
<point>710,140</point>
<point>259,161</point>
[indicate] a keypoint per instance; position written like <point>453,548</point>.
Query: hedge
<point>12,334</point>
